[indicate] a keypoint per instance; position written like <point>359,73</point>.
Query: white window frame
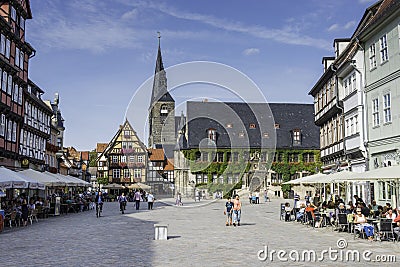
<point>9,130</point>
<point>9,84</point>
<point>114,159</point>
<point>3,125</point>
<point>375,112</point>
<point>8,48</point>
<point>14,132</point>
<point>2,44</point>
<point>140,158</point>
<point>386,108</point>
<point>383,48</point>
<point>372,56</point>
<point>212,134</point>
<point>116,173</point>
<point>127,173</point>
<point>137,173</point>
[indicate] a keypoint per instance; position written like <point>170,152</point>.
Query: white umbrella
<point>10,179</point>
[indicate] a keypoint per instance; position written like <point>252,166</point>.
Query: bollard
<point>161,232</point>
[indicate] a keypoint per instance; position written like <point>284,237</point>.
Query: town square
<point>188,133</point>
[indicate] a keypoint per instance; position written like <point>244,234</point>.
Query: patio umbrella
<point>113,186</point>
<point>139,186</point>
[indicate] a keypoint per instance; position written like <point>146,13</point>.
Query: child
<point>228,212</point>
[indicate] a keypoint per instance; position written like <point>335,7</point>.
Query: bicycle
<point>99,209</point>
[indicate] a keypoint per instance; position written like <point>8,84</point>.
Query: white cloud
<point>286,35</point>
<point>333,27</point>
<point>350,25</point>
<point>251,51</point>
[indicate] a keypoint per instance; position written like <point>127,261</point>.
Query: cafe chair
<point>310,219</point>
<point>386,229</point>
<point>13,219</point>
<point>33,215</point>
<point>341,222</point>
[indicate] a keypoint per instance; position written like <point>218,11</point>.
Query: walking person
<point>178,201</point>
<point>265,196</point>
<point>122,203</point>
<point>237,210</point>
<point>99,200</point>
<point>228,211</point>
<point>296,200</point>
<point>24,212</point>
<point>137,198</point>
<point>150,201</point>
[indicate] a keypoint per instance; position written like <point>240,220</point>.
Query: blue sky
<point>96,54</point>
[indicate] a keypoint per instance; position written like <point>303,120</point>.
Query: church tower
<point>161,109</point>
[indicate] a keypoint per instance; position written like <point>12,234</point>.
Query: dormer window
<point>252,126</point>
<point>277,126</point>
<point>296,137</point>
<point>164,110</point>
<point>229,125</point>
<point>212,134</point>
<point>265,135</point>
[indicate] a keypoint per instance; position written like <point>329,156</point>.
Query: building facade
<point>124,160</point>
<point>15,53</point>
<point>227,150</point>
<point>359,126</point>
<point>36,129</point>
<point>380,41</point>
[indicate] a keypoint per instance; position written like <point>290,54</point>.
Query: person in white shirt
<point>150,201</point>
<point>390,215</point>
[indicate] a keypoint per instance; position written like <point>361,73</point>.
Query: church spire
<point>159,62</point>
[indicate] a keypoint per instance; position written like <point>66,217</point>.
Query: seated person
<point>360,223</point>
<point>288,211</point>
<point>300,213</point>
<point>374,206</point>
<point>314,212</point>
<point>378,213</point>
<point>396,230</point>
<point>390,214</point>
<point>364,210</point>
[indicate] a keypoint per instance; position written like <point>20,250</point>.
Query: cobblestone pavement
<point>197,237</point>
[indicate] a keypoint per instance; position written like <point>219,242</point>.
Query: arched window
<point>164,110</point>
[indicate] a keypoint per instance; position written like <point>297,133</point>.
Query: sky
<point>97,54</point>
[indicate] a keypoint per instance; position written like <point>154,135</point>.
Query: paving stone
<point>197,237</point>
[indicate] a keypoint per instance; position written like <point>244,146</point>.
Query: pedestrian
<point>24,212</point>
<point>250,196</point>
<point>178,201</point>
<point>228,211</point>
<point>196,195</point>
<point>296,200</point>
<point>150,201</point>
<point>265,196</point>
<point>237,210</point>
<point>137,198</point>
<point>257,197</point>
<point>122,202</point>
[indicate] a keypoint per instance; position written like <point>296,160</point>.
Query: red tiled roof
<point>156,154</point>
<point>170,165</point>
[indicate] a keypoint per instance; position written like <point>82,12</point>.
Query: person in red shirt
<point>396,220</point>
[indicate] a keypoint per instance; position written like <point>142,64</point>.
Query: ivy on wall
<point>283,167</point>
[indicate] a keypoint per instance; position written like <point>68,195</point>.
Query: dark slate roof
<point>251,125</point>
<point>295,116</point>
